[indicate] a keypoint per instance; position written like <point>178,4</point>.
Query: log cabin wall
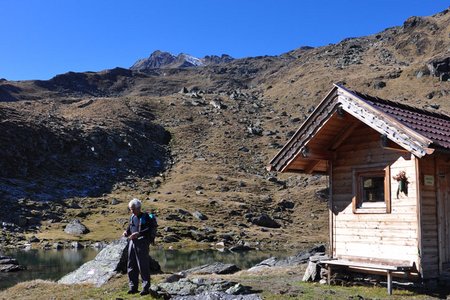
<point>428,218</point>
<point>382,236</point>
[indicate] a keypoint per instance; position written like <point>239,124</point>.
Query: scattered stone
<point>220,245</point>
<point>255,130</point>
<point>244,149</point>
<point>73,204</point>
<point>378,85</point>
<point>218,296</point>
<point>217,104</point>
<point>298,259</point>
<point>184,90</point>
<point>76,228</point>
<point>173,238</point>
<point>265,221</point>
<point>77,245</point>
<point>272,179</point>
<point>57,246</point>
<point>108,262</point>
<point>198,288</point>
<point>444,77</point>
<point>34,239</point>
<point>435,106</point>
<point>286,204</point>
<point>323,194</point>
<point>268,133</point>
<point>199,216</point>
<point>202,236</point>
<point>183,212</point>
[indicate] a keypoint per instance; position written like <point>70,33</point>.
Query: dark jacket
<point>140,224</point>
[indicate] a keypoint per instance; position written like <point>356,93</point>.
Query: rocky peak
<point>215,59</point>
<point>161,59</point>
<point>156,60</point>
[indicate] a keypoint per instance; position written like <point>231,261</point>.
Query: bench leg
<point>329,275</point>
<point>389,282</point>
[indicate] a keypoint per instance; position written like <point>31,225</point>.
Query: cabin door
<point>444,208</point>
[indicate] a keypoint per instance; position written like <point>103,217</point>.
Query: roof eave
<point>384,124</point>
<point>275,163</point>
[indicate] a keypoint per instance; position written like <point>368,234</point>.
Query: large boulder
<point>76,228</point>
<point>110,261</point>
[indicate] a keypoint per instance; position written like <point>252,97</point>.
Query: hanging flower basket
<point>403,182</point>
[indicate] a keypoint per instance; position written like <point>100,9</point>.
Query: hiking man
<point>138,247</point>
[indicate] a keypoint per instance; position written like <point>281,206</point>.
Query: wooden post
<point>389,282</point>
<point>329,275</point>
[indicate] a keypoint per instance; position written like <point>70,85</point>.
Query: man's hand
<point>134,236</point>
<point>125,233</point>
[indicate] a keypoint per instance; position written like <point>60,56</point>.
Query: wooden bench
<point>387,267</point>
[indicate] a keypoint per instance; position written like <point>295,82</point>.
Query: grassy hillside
<point>197,139</point>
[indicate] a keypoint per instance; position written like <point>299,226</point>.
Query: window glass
<point>373,189</point>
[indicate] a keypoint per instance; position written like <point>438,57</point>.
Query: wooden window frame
<point>378,207</point>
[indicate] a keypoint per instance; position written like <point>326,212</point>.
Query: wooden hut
<point>389,176</point>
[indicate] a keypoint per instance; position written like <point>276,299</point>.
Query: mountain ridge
<point>161,59</point>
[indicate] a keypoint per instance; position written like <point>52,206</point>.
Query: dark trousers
<point>138,262</point>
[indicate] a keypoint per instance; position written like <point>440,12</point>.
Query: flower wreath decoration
<point>403,182</point>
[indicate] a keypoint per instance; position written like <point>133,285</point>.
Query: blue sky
<point>42,38</point>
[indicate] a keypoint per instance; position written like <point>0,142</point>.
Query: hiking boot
<point>144,292</point>
<point>132,292</point>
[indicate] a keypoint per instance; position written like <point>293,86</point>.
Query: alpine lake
<point>54,264</point>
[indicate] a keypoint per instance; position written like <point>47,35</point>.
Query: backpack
<point>151,235</point>
<point>153,228</point>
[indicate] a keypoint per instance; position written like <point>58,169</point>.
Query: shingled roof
<point>417,130</point>
<point>433,125</point>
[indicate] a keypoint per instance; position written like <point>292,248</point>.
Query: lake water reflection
<point>45,264</point>
<point>53,264</point>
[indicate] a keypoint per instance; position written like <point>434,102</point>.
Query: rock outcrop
<point>110,261</point>
<point>215,268</point>
<point>199,288</point>
<point>295,260</point>
<point>440,67</point>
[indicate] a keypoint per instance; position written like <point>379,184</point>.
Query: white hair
<point>135,202</point>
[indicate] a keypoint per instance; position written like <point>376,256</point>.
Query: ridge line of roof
<point>396,103</point>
